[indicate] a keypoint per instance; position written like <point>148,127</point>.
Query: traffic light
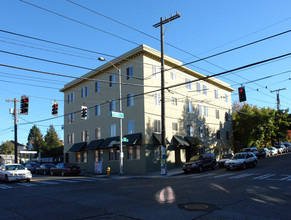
<point>24,105</point>
<point>242,94</point>
<point>83,112</point>
<point>55,108</point>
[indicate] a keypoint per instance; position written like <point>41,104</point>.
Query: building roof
<point>149,52</point>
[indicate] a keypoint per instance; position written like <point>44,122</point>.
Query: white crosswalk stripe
<point>67,181</point>
<point>263,176</point>
<point>241,176</point>
<point>103,179</point>
<point>5,187</point>
<point>26,184</point>
<point>48,182</point>
<point>86,180</point>
<point>288,177</point>
<point>203,175</point>
<point>223,175</point>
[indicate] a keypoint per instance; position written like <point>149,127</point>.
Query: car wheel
<point>27,180</point>
<point>255,163</point>
<point>52,173</point>
<point>63,173</point>
<point>244,166</point>
<point>44,173</point>
<point>200,169</point>
<point>6,179</point>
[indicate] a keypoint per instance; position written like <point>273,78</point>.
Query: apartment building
<point>194,107</point>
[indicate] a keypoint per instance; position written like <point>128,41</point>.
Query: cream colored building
<point>199,109</point>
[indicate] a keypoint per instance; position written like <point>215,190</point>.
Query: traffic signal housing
<point>24,105</point>
<point>83,112</point>
<point>55,108</point>
<point>242,94</point>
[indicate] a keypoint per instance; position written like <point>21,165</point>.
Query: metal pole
<point>15,131</point>
<point>120,126</point>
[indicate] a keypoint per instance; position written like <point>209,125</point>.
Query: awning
<point>78,147</point>
<point>180,140</point>
<point>109,142</point>
<point>157,139</point>
<point>93,145</point>
<point>133,139</point>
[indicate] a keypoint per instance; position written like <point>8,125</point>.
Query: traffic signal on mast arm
<point>242,94</point>
<point>24,105</point>
<point>83,112</point>
<point>55,108</point>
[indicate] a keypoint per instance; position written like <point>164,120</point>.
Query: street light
<point>120,119</point>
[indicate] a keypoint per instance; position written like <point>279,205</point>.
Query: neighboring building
<point>199,109</point>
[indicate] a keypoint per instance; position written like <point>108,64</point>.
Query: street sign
<point>124,140</point>
<point>117,114</point>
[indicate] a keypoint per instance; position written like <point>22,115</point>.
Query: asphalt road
<point>263,192</point>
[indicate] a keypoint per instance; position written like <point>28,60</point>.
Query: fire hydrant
<point>108,171</point>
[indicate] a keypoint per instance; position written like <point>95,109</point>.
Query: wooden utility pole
<point>278,98</point>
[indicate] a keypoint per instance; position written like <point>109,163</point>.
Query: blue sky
<point>204,28</point>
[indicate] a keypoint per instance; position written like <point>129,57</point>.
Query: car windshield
<point>226,156</point>
<point>195,158</point>
<point>239,156</point>
<point>14,167</point>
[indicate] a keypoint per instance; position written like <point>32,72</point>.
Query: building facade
<point>194,107</point>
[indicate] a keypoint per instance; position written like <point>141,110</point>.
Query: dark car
<point>32,166</point>
<point>44,168</point>
<point>200,162</point>
<point>65,169</point>
<point>224,158</point>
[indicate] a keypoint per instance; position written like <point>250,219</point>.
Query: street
<point>263,192</point>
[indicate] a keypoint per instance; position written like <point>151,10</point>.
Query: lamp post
<point>120,119</point>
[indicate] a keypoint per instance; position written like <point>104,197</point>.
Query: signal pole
<point>278,98</point>
<point>15,127</point>
<point>163,131</point>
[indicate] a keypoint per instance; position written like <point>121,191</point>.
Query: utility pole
<point>163,130</point>
<point>15,127</point>
<point>278,98</point>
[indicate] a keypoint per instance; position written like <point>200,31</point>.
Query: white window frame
<point>130,127</point>
<point>174,126</point>
<point>112,80</point>
<point>157,125</point>
<point>188,84</point>
<point>97,133</point>
<point>156,72</point>
<point>97,86</point>
<point>157,99</point>
<point>129,73</point>
<point>174,101</point>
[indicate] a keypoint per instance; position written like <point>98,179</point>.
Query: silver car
<point>14,172</point>
<point>241,160</point>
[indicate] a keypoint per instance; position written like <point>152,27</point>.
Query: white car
<point>281,148</point>
<point>14,172</point>
<point>241,160</point>
<point>273,151</point>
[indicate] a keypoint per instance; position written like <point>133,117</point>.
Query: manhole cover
<point>196,206</point>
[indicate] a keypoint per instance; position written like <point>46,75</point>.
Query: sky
<point>113,27</point>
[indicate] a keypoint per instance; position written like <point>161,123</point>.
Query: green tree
<point>36,138</point>
<point>7,148</point>
<point>52,143</point>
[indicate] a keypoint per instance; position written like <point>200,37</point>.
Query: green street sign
<point>117,114</point>
<point>124,140</point>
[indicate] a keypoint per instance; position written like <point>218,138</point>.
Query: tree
<point>36,138</point>
<point>7,148</point>
<point>52,143</point>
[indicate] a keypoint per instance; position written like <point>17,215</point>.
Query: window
<point>188,84</point>
<point>84,92</point>
<point>204,89</point>
<point>113,130</point>
<point>130,127</point>
<point>71,118</point>
<point>156,72</point>
<point>218,135</point>
<point>78,157</point>
<point>200,132</point>
<point>189,107</point>
<point>84,157</point>
<point>130,100</point>
<point>174,126</point>
<point>117,154</point>
<point>205,111</point>
<point>97,133</point>
<point>174,101</point>
<point>130,153</point>
<point>198,88</point>
<point>137,153</point>
<point>173,76</point>
<point>97,110</point>
<point>133,153</point>
<point>111,80</point>
<point>70,138</point>
<point>157,98</point>
<point>84,136</point>
<point>190,131</point>
<point>157,125</point>
<point>71,98</point>
<point>217,114</point>
<point>129,73</point>
<point>216,94</point>
<point>226,98</point>
<point>97,86</point>
<point>112,105</point>
<point>111,154</point>
<point>98,155</point>
<point>199,110</point>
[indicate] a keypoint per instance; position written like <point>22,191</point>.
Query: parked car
<point>288,146</point>
<point>65,169</point>
<point>241,160</point>
<point>263,153</point>
<point>281,148</point>
<point>14,172</point>
<point>200,162</point>
<point>273,151</point>
<point>223,159</point>
<point>32,166</point>
<point>254,150</point>
<point>44,168</point>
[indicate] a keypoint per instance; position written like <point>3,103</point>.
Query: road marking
<point>288,177</point>
<point>26,184</point>
<point>48,182</point>
<point>203,175</point>
<point>241,176</point>
<point>88,180</point>
<point>105,178</point>
<point>222,175</point>
<point>5,187</point>
<point>263,176</point>
<point>66,181</point>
